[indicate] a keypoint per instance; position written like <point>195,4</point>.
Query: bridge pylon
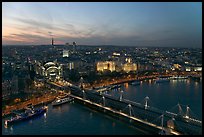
<point>83,94</point>
<point>162,132</point>
<point>103,101</point>
<point>121,95</point>
<point>162,121</point>
<point>146,101</point>
<point>187,112</point>
<point>81,83</point>
<point>130,108</point>
<point>180,110</point>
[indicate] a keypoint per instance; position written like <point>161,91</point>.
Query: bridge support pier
<point>103,101</point>
<point>83,94</point>
<point>187,112</point>
<point>146,100</point>
<point>130,108</point>
<point>180,110</point>
<point>121,95</point>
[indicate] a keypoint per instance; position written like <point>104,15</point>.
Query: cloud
<point>24,38</point>
<point>34,23</point>
<point>31,31</point>
<point>57,29</point>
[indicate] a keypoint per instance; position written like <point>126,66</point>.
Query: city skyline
<point>90,23</point>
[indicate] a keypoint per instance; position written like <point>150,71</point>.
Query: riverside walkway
<point>35,101</point>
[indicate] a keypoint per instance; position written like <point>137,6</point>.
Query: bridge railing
<point>150,113</point>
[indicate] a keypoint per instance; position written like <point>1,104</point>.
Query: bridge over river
<point>142,115</point>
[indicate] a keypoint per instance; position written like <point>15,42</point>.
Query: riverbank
<point>34,101</point>
<point>116,81</point>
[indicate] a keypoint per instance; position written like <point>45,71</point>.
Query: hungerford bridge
<point>174,121</point>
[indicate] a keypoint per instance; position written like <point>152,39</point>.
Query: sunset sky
<point>103,23</point>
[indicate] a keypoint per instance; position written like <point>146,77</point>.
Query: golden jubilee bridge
<point>177,121</point>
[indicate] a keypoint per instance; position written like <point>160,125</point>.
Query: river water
<point>77,119</point>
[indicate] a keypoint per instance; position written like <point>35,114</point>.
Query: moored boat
<point>178,77</point>
<point>60,101</point>
<point>115,86</point>
<point>28,114</point>
<point>161,80</point>
<point>134,83</point>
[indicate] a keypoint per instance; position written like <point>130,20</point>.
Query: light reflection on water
<point>196,84</point>
<point>163,95</point>
<point>167,94</point>
<point>9,130</point>
<point>126,85</point>
<point>45,116</point>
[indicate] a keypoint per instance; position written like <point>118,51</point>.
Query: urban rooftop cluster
<point>26,67</point>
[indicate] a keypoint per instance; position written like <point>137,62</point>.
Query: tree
<point>74,75</point>
<point>92,76</point>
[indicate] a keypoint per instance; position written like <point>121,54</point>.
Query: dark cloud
<point>102,40</point>
<point>99,35</point>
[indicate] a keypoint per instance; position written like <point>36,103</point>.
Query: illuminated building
<point>107,65</point>
<point>71,65</point>
<point>118,66</point>
<point>129,60</point>
<point>129,67</point>
<point>188,68</point>
<point>65,53</point>
<point>51,70</point>
<point>177,66</point>
<point>197,68</point>
<point>116,54</point>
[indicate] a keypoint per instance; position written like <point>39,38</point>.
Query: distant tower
<point>52,41</point>
<point>74,47</point>
<point>67,44</point>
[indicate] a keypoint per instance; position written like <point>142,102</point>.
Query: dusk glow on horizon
<point>164,24</point>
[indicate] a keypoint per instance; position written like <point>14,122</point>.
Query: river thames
<point>77,119</point>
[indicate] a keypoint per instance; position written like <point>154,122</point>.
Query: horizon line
<point>100,45</point>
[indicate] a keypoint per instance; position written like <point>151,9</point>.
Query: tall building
<point>52,41</point>
<point>74,47</point>
<point>67,44</point>
<point>71,65</point>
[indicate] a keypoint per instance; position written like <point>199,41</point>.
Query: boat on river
<point>28,114</point>
<point>178,77</point>
<point>135,83</point>
<point>60,101</point>
<point>162,80</point>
